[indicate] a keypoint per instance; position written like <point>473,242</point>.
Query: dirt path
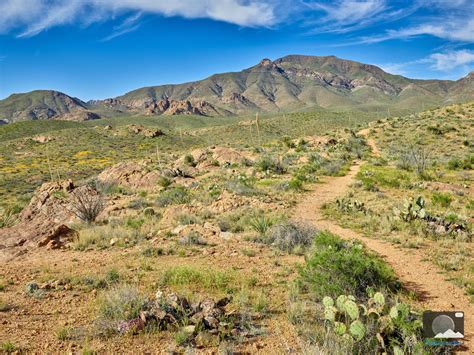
<point>370,142</point>
<point>416,274</point>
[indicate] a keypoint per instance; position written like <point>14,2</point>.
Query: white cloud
<point>129,25</point>
<point>449,60</point>
<point>345,15</point>
<point>34,16</point>
<point>454,29</point>
<point>350,11</point>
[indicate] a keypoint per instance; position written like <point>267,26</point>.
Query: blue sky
<point>94,49</point>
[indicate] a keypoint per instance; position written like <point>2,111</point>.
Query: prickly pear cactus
<point>352,310</point>
<point>379,299</point>
<point>340,328</point>
<point>412,209</point>
<point>340,302</point>
<point>330,313</point>
<point>328,301</point>
<point>357,330</point>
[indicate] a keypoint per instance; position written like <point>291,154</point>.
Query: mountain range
<point>291,83</point>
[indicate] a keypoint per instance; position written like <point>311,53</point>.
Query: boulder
<point>130,174</point>
<point>147,132</point>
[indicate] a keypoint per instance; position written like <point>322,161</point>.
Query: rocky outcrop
<point>43,222</point>
<point>79,115</point>
<point>130,174</point>
<point>42,139</point>
<point>236,99</point>
<point>147,132</point>
<point>181,107</point>
<point>164,106</point>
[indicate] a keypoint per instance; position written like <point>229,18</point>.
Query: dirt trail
<point>416,274</point>
<point>370,142</point>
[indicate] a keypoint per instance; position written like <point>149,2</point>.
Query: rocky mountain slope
<point>290,83</point>
<point>43,105</point>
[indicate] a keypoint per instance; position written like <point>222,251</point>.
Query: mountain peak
<point>266,62</point>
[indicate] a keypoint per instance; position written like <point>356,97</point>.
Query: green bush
<point>8,347</point>
<point>270,164</point>
<point>176,196</point>
<point>189,160</point>
<point>295,184</point>
<point>343,267</point>
<point>186,219</point>
<point>441,199</point>
<point>164,181</point>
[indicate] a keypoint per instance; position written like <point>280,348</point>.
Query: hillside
<point>43,105</point>
<point>295,83</point>
<point>291,83</point>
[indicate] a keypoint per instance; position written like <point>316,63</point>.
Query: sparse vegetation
<point>291,236</point>
<point>87,204</point>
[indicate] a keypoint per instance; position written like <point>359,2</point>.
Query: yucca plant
<point>261,224</point>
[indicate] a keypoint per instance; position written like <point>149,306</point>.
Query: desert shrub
<point>97,282</point>
<point>176,196</point>
<point>287,142</point>
<point>291,236</point>
<point>470,205</point>
<point>138,204</point>
<point>153,252</point>
<point>295,184</point>
<point>134,223</point>
<point>242,185</point>
<point>414,158</point>
<point>164,181</point>
<point>333,167</point>
<point>192,238</point>
<point>458,164</point>
<point>4,306</point>
<point>189,160</point>
<point>441,199</point>
<point>356,145</point>
<point>120,303</point>
<point>186,219</point>
<point>235,222</point>
<point>87,204</point>
<point>343,267</point>
<point>270,164</point>
<point>8,217</point>
<point>454,164</point>
<point>8,347</point>
<point>315,159</point>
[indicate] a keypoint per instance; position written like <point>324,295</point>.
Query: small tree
<point>87,204</point>
<point>414,158</point>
